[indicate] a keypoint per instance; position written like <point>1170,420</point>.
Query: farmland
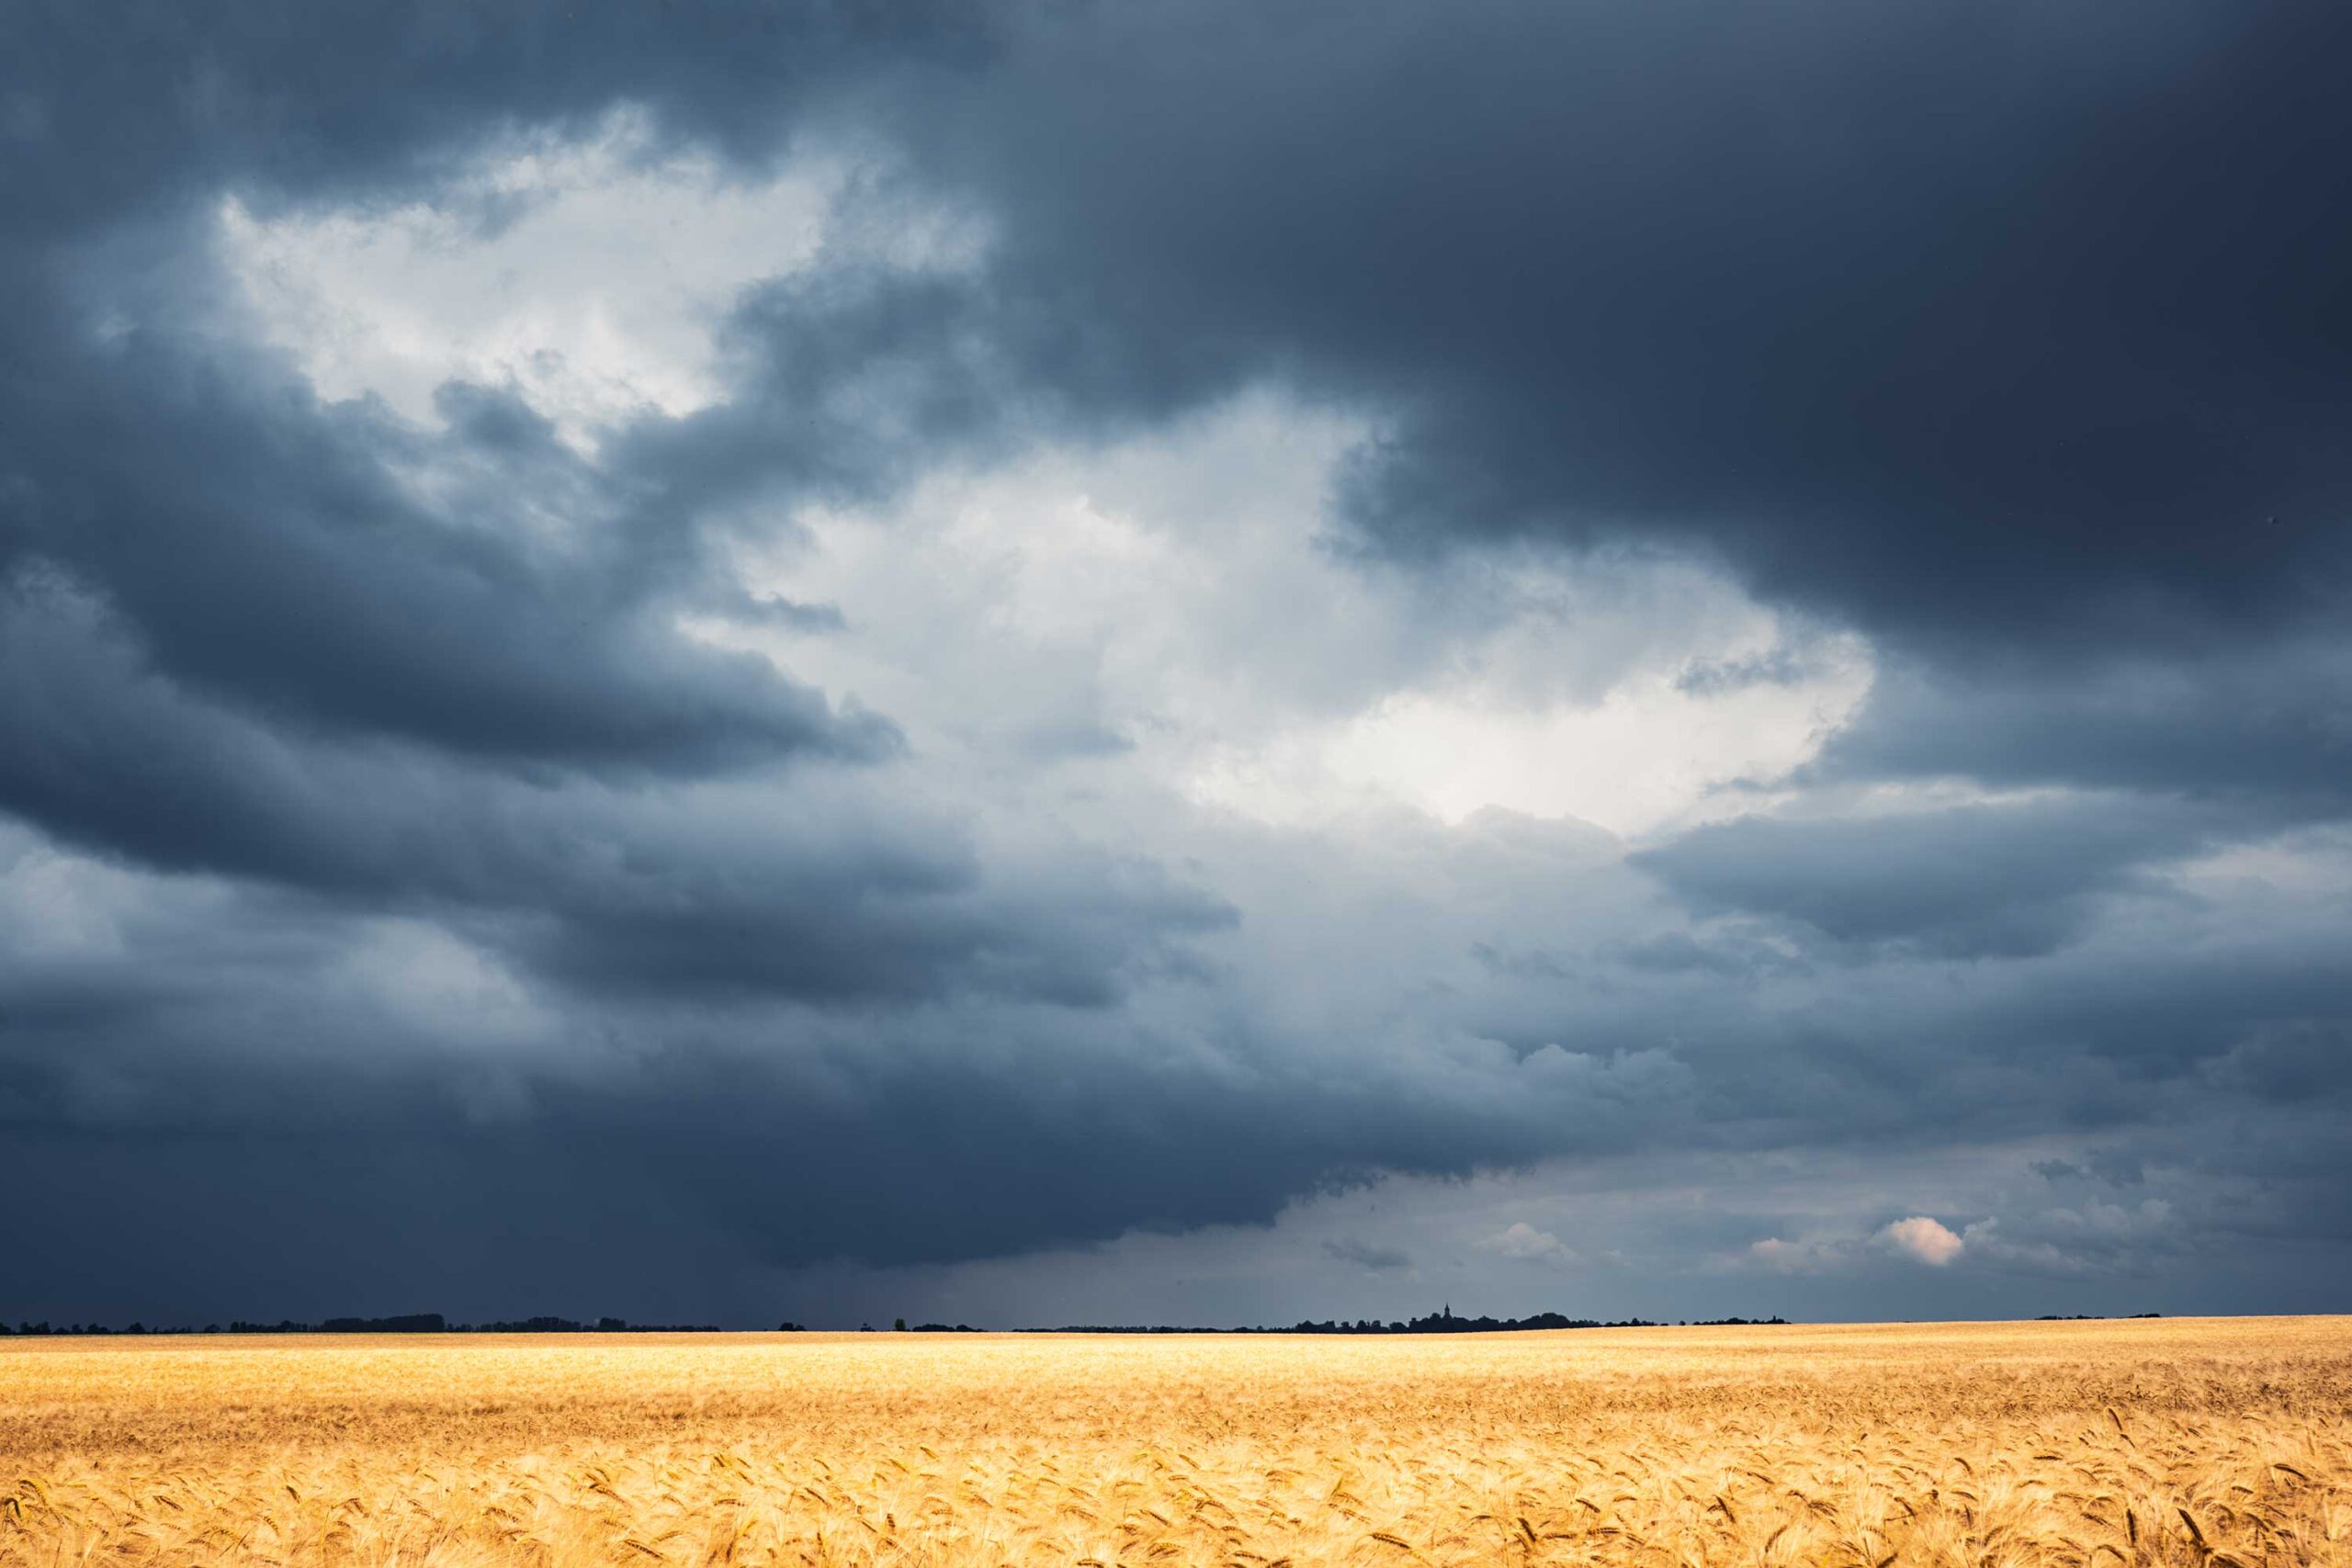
<point>2219,1442</point>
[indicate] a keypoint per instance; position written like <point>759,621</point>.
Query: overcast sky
<point>1199,663</point>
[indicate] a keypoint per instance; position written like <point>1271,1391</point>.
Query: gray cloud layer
<point>393,882</point>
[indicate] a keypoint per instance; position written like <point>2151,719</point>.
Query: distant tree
<point>900,1324</point>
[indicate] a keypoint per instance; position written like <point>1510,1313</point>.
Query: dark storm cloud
<point>370,671</point>
<point>265,550</point>
<point>2269,721</point>
<point>313,1109</point>
<point>144,102</point>
<point>1953,320</point>
<point>2013,336</point>
<point>223,1046</point>
<point>243,638</point>
<point>702,887</point>
<point>1966,882</point>
<point>271,548</point>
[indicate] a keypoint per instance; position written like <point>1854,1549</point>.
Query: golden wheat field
<point>2188,1442</point>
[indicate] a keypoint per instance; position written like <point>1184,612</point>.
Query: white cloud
<point>1644,752</point>
<point>588,275</point>
<point>1923,1238</point>
<point>1176,596</point>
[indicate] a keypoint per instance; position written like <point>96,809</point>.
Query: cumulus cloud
<point>1927,1240</point>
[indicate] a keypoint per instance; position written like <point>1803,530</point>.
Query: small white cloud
<point>1924,1239</point>
<point>1526,1244</point>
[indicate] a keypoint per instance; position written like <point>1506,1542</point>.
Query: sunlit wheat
<point>2196,1444</point>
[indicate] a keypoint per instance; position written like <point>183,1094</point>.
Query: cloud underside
<point>829,641</point>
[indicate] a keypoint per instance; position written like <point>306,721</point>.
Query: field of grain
<point>2196,1443</point>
